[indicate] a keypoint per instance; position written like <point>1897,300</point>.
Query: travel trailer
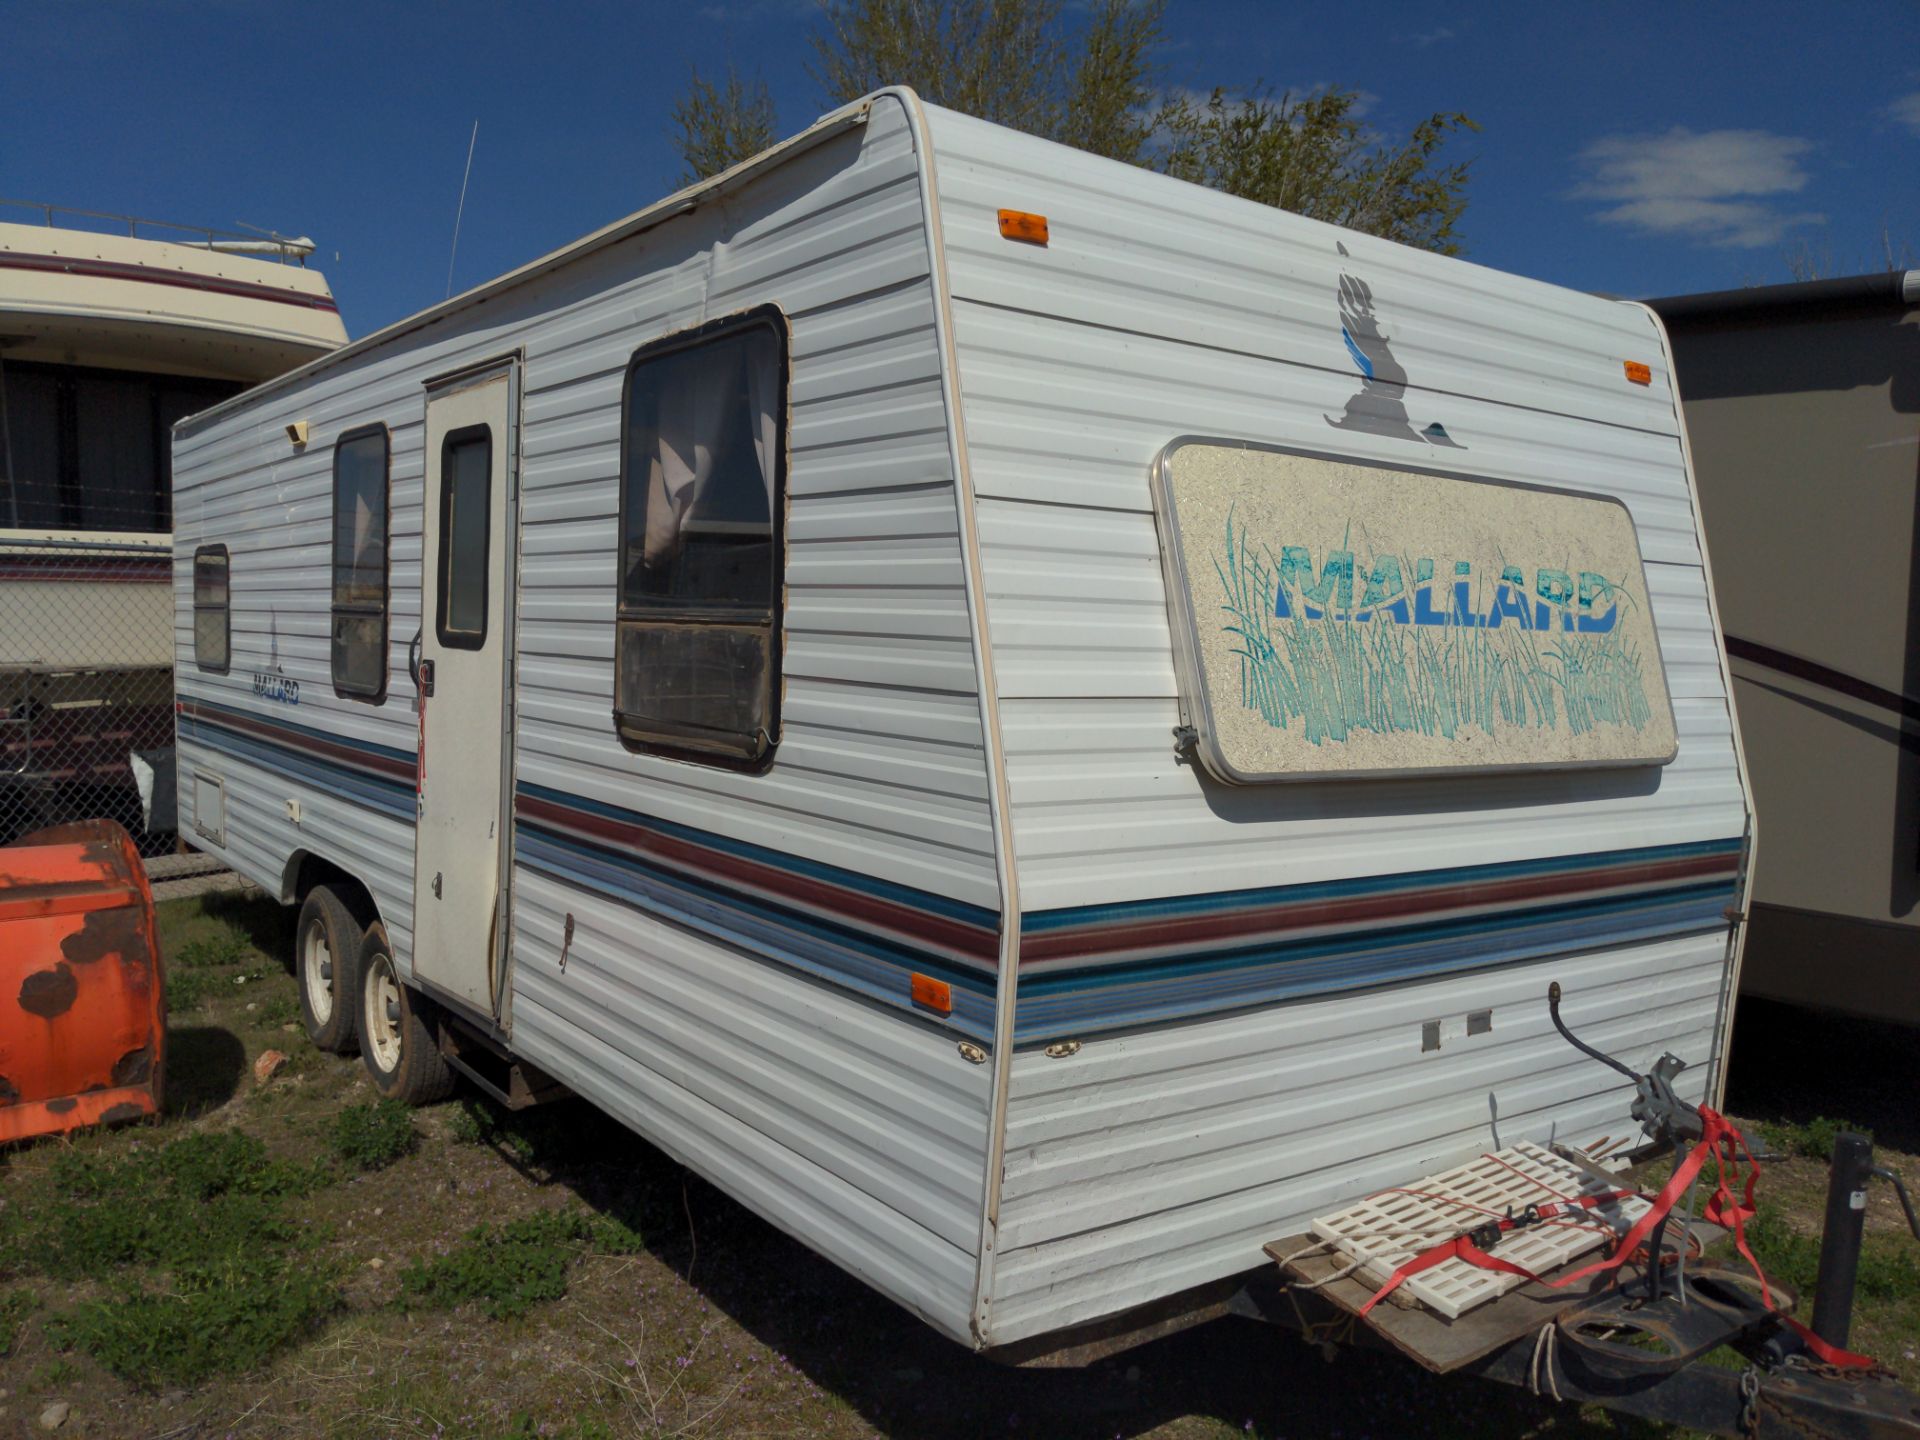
<point>1803,402</point>
<point>111,329</point>
<point>1038,725</point>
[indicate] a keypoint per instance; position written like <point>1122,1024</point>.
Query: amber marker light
<point>1019,225</point>
<point>932,993</point>
<point>1639,374</point>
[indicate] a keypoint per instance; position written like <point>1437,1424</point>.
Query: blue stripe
<point>778,859</point>
<point>405,757</point>
<point>801,942</point>
<point>1136,911</point>
<point>387,796</point>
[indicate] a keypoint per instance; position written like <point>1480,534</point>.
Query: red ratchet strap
<point>1718,1139</point>
<point>1830,1354</point>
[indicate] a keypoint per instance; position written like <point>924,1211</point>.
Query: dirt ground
<point>683,1314</point>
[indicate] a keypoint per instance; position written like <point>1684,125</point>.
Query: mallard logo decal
<point>1380,408</point>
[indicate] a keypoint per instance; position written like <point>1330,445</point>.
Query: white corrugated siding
<point>1163,1158</point>
<point>856,1127</point>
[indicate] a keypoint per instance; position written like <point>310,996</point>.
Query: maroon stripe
<point>92,571</point>
<point>147,275</point>
<point>293,740</point>
<point>705,861</point>
<point>1194,931</point>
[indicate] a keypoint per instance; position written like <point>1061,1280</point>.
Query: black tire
<point>326,966</point>
<point>395,1041</point>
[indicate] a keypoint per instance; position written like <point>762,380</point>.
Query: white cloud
<point>1906,111</point>
<point>1711,187</point>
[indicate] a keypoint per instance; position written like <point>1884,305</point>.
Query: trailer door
<point>463,678</point>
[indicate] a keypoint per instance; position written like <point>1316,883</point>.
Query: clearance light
<point>932,993</point>
<point>1019,225</point>
<point>1639,374</point>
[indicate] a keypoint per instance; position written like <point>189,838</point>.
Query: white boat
<point>111,329</point>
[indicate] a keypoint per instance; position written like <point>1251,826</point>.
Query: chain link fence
<point>86,684</point>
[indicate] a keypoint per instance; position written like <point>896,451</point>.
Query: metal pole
<point>1840,1237</point>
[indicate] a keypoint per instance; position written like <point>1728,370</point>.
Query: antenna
<point>473,140</point>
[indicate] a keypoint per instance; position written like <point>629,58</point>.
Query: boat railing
<point>266,244</point>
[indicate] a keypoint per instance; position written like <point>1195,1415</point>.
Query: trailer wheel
<point>394,1040</point>
<point>326,963</point>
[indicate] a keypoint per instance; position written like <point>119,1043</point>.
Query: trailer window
<point>212,626</point>
<point>702,495</point>
<point>466,523</point>
<point>360,592</point>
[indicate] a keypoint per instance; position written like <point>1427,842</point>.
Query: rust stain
<point>62,1105</point>
<point>105,932</point>
<point>49,993</point>
<point>134,1067</point>
<point>124,1111</point>
<point>8,1094</point>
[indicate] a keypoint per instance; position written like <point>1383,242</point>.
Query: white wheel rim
<point>316,968</point>
<point>383,999</point>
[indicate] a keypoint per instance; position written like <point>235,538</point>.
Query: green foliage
<point>195,1240</point>
<point>508,1269</point>
<point>1889,1265</point>
<point>190,1204</point>
<point>524,1427</point>
<point>373,1136</point>
<point>472,1122</point>
<point>221,947</point>
<point>1001,60</point>
<point>15,1306</point>
<point>1111,99</point>
<point>231,1316</point>
<point>1311,155</point>
<point>1813,1140</point>
<point>720,125</point>
<point>1094,84</point>
<point>277,1010</point>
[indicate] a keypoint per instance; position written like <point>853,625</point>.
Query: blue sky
<point>1636,149</point>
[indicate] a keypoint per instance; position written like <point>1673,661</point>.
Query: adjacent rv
<point>112,328</point>
<point>1803,403</point>
<point>1036,724</point>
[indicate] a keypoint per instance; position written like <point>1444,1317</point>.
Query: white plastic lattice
<point>1386,1230</point>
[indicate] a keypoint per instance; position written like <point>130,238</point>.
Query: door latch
<point>426,677</point>
<point>436,884</point>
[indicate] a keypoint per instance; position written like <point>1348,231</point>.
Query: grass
<point>1812,1139</point>
<point>373,1136</point>
<point>308,1296</point>
<point>507,1269</point>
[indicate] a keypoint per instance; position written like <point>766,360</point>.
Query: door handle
<point>436,884</point>
<point>424,679</point>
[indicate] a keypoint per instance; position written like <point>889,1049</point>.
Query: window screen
<point>466,522</point>
<point>702,492</point>
<point>360,564</point>
<point>212,630</point>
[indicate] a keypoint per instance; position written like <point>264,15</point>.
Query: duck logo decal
<point>1380,406</point>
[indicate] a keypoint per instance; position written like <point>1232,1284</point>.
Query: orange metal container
<point>82,1004</point>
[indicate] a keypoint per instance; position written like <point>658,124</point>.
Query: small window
<point>466,523</point>
<point>702,494</point>
<point>212,628</point>
<point>360,589</point>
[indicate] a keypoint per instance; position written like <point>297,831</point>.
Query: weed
<point>373,1136</point>
<point>15,1306</point>
<point>276,1011</point>
<point>230,1317</point>
<point>55,1374</point>
<point>512,1267</point>
<point>1814,1140</point>
<point>472,1122</point>
<point>222,947</point>
<point>208,1211</point>
<point>525,1427</point>
<point>1888,1269</point>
